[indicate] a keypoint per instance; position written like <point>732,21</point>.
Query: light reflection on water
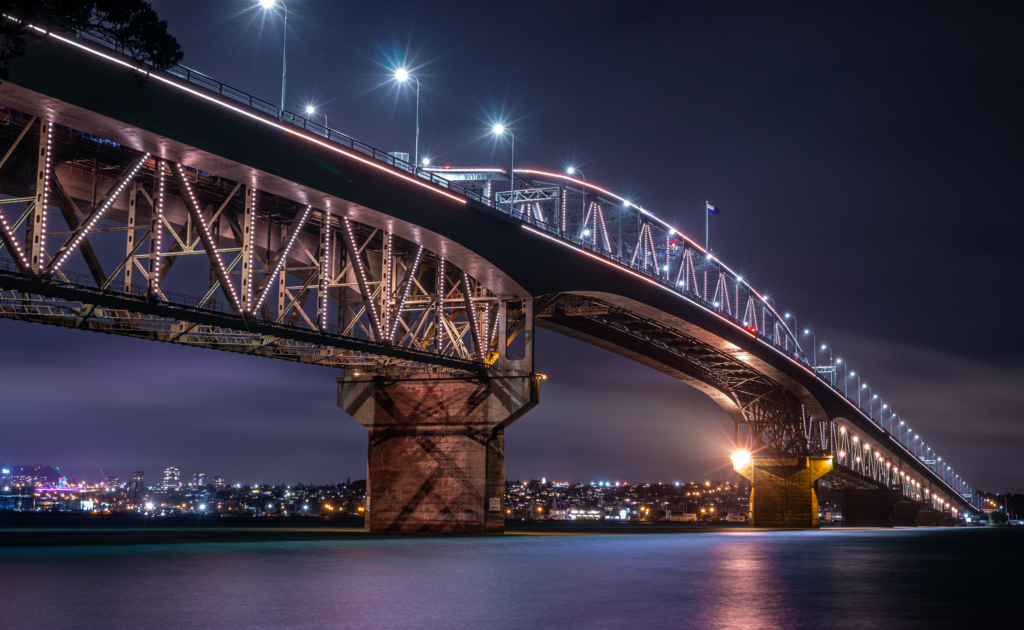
<point>750,581</point>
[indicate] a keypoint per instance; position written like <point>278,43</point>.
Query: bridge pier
<point>436,456</point>
<point>782,490</point>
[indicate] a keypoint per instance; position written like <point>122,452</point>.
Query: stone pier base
<point>436,457</point>
<point>782,490</point>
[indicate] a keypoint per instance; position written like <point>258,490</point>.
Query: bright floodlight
<point>402,74</point>
<point>310,109</point>
<point>426,161</point>
<point>570,170</point>
<point>498,129</point>
<point>740,459</point>
<point>268,4</point>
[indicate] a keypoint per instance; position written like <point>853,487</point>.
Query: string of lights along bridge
<point>385,268</point>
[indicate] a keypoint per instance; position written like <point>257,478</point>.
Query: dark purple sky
<point>867,159</point>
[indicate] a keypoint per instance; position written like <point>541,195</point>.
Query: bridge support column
<point>436,457</point>
<point>782,490</point>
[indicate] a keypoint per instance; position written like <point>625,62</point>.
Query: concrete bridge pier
<point>436,456</point>
<point>782,490</point>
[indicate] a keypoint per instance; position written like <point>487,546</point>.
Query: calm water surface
<point>749,580</point>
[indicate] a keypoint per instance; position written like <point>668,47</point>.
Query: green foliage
<point>130,26</point>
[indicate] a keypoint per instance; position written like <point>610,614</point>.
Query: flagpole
<point>706,221</point>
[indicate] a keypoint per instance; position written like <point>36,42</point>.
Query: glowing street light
<point>270,5</point>
<point>814,344</point>
<point>402,75</point>
<point>846,382</point>
<point>830,361</point>
<point>310,110</point>
<point>499,130</point>
<point>740,459</point>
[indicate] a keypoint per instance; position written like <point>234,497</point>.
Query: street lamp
<point>868,387</point>
<point>402,75</point>
<point>268,5</point>
<point>858,387</point>
<point>814,344</point>
<point>830,362</point>
<point>871,405</point>
<point>796,325</point>
<point>572,170</point>
<point>846,383</point>
<point>499,129</point>
<point>310,110</point>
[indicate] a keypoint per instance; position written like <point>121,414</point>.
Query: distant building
<point>198,480</point>
<point>172,479</point>
<point>218,482</point>
<point>138,485</point>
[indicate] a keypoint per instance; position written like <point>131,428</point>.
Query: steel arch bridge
<point>315,247</point>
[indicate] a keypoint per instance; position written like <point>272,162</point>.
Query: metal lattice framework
<point>283,280</point>
<point>777,422</point>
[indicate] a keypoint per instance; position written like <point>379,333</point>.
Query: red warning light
<point>673,244</point>
<point>447,166</point>
<point>751,330</point>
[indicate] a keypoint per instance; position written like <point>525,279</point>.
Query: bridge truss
<point>369,303</point>
<point>777,422</point>
<point>96,235</point>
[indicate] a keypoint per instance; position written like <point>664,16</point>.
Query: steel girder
<point>382,304</point>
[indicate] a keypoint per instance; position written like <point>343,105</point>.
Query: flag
<point>711,210</point>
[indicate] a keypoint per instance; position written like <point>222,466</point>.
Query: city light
<point>498,129</point>
<point>402,74</point>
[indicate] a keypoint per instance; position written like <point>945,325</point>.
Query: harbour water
<point>936,578</point>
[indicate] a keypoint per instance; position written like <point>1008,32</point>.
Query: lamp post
<point>310,110</point>
<point>882,419</point>
<point>402,75</point>
<point>868,387</point>
<point>499,129</point>
<point>831,363</point>
<point>871,405</point>
<point>814,343</point>
<point>858,387</point>
<point>846,383</point>
<point>796,325</point>
<point>572,171</point>
<point>268,5</point>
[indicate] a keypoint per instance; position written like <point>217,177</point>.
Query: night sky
<point>867,160</point>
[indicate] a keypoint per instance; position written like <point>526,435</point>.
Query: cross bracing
<point>282,279</point>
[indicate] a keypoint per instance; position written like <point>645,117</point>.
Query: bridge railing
<point>770,335</point>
